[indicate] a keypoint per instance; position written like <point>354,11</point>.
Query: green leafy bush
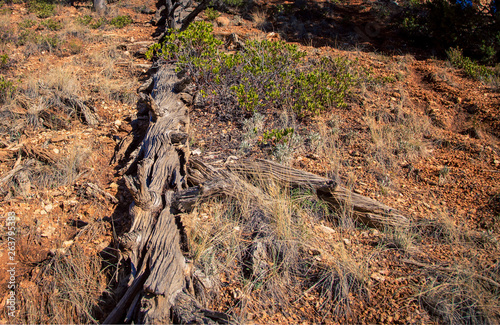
<point>48,43</point>
<point>212,14</point>
<point>27,23</point>
<point>7,88</point>
<point>41,8</point>
<point>263,76</point>
<point>52,24</point>
<point>471,68</point>
<point>84,20</point>
<point>4,59</point>
<point>121,21</point>
<point>276,136</point>
<point>95,24</point>
<point>234,3</point>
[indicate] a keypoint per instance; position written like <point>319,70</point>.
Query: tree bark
<point>100,7</point>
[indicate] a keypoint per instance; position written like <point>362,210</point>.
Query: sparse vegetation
<point>42,8</point>
<point>367,121</point>
<point>52,24</point>
<point>7,89</point>
<point>211,13</point>
<point>68,289</point>
<point>471,68</point>
<point>121,21</point>
<point>274,77</point>
<point>272,263</point>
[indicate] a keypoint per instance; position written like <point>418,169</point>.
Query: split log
<point>368,211</point>
<point>210,182</point>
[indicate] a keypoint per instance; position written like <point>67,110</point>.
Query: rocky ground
<point>416,134</point>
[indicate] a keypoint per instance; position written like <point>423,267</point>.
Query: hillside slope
<point>415,133</point>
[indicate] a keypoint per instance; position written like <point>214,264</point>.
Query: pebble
<point>49,207</point>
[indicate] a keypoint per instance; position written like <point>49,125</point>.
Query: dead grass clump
<point>34,174</point>
<point>7,34</point>
<point>63,80</point>
<point>259,18</point>
<point>41,103</point>
<point>400,238</point>
<point>442,228</point>
<point>65,289</point>
<point>460,297</point>
<point>339,282</point>
<point>261,245</point>
<point>106,60</point>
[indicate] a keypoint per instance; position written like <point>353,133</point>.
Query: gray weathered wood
<point>212,182</point>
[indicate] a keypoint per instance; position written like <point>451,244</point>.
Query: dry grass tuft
<point>262,245</point>
<point>259,18</point>
<point>339,282</point>
<point>460,297</point>
<point>65,290</point>
<point>32,174</point>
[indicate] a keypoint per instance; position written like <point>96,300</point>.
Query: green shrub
<point>265,75</point>
<point>326,85</point>
<point>212,14</point>
<point>97,23</point>
<point>84,20</point>
<point>52,24</point>
<point>276,136</point>
<point>41,8</point>
<point>48,43</point>
<point>234,3</point>
<point>471,68</point>
<point>4,59</point>
<point>121,21</point>
<point>7,88</point>
<point>27,23</point>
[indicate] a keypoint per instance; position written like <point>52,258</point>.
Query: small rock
<point>48,232</point>
<point>43,212</point>
<point>327,230</point>
<point>49,207</point>
<point>67,243</point>
<point>346,241</point>
<point>113,185</point>
<point>56,151</point>
<point>196,152</point>
<point>222,21</point>
<point>377,277</point>
<point>118,123</point>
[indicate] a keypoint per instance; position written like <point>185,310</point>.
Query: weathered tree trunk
<point>100,7</point>
<point>152,244</point>
<point>178,14</point>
